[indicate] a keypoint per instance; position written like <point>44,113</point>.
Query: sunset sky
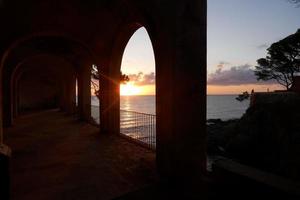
<point>239,32</point>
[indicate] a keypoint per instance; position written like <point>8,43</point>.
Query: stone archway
<point>178,34</point>
<point>57,45</point>
<point>58,68</point>
<point>180,54</point>
<point>137,96</point>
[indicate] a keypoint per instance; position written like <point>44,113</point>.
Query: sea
<point>138,120</point>
<point>222,107</point>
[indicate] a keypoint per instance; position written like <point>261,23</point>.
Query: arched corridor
<point>53,85</point>
<point>46,46</point>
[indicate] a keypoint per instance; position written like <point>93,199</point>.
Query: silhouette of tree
<point>282,62</point>
<point>95,77</point>
<point>241,97</point>
<point>296,2</point>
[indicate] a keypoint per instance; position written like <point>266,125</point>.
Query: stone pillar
<point>114,106</point>
<point>181,94</point>
<point>84,92</point>
<point>7,101</point>
<point>1,111</point>
<point>104,99</point>
<point>15,98</point>
<point>12,104</point>
<point>5,153</point>
<point>68,95</point>
<point>72,95</point>
<point>110,100</point>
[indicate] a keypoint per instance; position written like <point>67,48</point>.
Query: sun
<point>129,89</point>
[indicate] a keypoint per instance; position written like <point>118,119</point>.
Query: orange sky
<point>212,90</point>
<point>131,89</point>
<point>235,41</point>
<point>139,58</point>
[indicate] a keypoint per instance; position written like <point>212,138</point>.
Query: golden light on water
<point>129,89</point>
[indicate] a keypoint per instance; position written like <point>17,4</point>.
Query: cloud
<point>142,79</point>
<point>222,64</point>
<point>263,46</point>
<point>237,75</point>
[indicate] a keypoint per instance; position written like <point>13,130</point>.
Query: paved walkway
<point>57,157</point>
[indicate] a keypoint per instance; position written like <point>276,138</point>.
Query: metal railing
<point>140,127</point>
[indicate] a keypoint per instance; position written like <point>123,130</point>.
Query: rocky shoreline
<point>218,135</point>
<point>267,137</point>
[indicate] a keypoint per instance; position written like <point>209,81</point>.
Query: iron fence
<point>140,127</point>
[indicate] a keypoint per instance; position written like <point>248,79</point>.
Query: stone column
<point>7,101</point>
<point>104,99</point>
<point>15,97</point>
<point>114,105</point>
<point>84,92</point>
<point>72,95</point>
<point>181,93</point>
<point>68,94</point>
<point>110,100</point>
<point>1,111</point>
<point>5,153</point>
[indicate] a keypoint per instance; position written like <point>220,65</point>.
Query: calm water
<point>225,107</point>
<point>143,127</point>
<point>218,106</point>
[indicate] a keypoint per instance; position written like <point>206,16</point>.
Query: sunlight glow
<point>129,89</point>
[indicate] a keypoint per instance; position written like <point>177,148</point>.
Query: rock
<point>268,137</point>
